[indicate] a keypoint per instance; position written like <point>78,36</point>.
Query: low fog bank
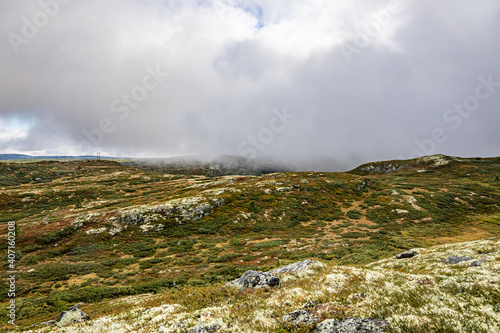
<point>212,165</point>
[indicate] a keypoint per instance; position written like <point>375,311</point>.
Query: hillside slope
<point>421,294</point>
<point>92,231</point>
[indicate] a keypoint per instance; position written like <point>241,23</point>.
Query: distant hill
<point>208,165</point>
<point>4,157</point>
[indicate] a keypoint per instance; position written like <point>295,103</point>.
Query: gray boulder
<point>300,266</point>
<point>407,254</point>
<point>255,279</point>
<point>477,263</point>
<point>352,325</point>
<point>300,318</point>
<point>455,260</point>
<point>72,316</point>
<point>205,328</point>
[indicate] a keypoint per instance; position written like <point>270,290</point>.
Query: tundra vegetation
<point>111,235</point>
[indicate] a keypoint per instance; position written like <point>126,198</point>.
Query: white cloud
<point>230,62</point>
<point>12,129</point>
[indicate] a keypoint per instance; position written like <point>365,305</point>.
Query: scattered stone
<point>255,279</point>
<point>300,318</point>
<point>72,316</point>
<point>286,189</point>
<point>455,259</point>
<point>205,328</point>
<point>413,202</point>
<point>407,254</point>
<point>359,296</point>
<point>309,304</point>
<point>477,263</point>
<point>95,231</point>
<point>45,323</point>
<point>300,266</point>
<point>352,325</point>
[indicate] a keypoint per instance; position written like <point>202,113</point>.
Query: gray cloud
<point>230,63</point>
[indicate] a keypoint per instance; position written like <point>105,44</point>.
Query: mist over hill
<point>206,164</point>
<point>232,165</point>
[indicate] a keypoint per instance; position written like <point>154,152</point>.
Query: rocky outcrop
<point>437,160</point>
<point>352,325</point>
<point>151,217</point>
<point>72,316</point>
<point>455,259</point>
<point>254,279</point>
<point>477,263</point>
<point>300,318</point>
<point>183,210</point>
<point>82,220</point>
<point>301,266</point>
<point>383,168</point>
<point>407,254</point>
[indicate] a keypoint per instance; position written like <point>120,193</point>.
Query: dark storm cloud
<point>160,78</point>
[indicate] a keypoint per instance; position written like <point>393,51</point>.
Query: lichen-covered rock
<point>300,318</point>
<point>150,217</point>
<point>204,328</point>
<point>287,188</point>
<point>255,279</point>
<point>72,316</point>
<point>407,254</point>
<point>477,263</point>
<point>455,259</point>
<point>95,231</point>
<point>300,266</point>
<point>352,325</point>
<point>80,221</point>
<point>437,160</point>
<point>383,168</point>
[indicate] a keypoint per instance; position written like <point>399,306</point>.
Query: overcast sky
<point>350,81</point>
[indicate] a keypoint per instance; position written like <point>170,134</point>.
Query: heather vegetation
<point>97,231</point>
